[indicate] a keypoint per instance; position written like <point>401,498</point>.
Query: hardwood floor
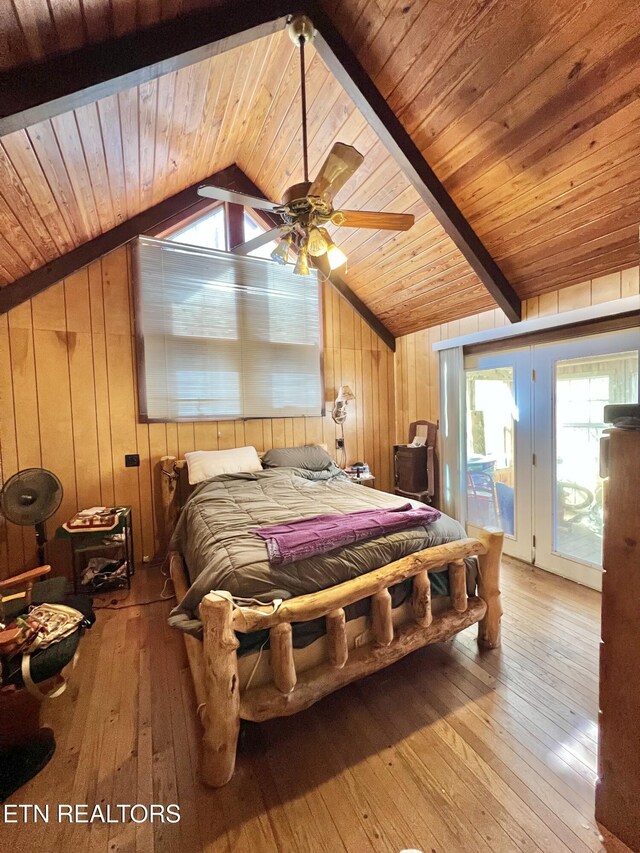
<point>449,750</point>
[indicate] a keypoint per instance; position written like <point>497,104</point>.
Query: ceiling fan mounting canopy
<point>300,27</point>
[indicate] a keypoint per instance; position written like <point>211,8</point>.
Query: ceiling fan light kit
<point>281,252</point>
<point>335,256</point>
<point>302,261</point>
<point>308,205</point>
<point>318,242</point>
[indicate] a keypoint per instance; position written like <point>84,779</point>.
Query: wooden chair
<point>19,709</point>
<point>22,586</point>
<point>483,499</point>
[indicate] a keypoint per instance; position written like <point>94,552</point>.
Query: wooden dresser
<point>618,787</point>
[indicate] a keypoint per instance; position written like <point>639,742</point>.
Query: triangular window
<point>209,231</point>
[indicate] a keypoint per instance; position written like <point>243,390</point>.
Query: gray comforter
<point>213,536</point>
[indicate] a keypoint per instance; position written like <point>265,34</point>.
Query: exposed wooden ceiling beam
<point>155,219</point>
<point>33,93</point>
<point>345,67</point>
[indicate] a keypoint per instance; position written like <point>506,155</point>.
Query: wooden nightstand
<point>411,467</point>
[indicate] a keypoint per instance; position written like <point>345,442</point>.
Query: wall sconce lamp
<point>339,415</point>
<point>339,411</point>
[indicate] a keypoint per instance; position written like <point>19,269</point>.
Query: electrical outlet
<point>339,443</point>
<point>132,460</point>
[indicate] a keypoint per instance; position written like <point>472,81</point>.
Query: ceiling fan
<point>307,207</point>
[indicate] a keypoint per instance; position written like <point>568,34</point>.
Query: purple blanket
<point>309,537</point>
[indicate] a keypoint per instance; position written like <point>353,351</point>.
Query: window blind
<point>224,336</point>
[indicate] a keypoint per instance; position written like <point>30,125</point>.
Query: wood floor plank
<point>553,702</point>
<point>433,789</point>
<point>413,731</point>
<point>529,699</point>
<point>515,740</point>
<point>451,749</point>
<point>368,771</point>
<point>545,729</point>
<point>324,776</point>
<point>504,762</point>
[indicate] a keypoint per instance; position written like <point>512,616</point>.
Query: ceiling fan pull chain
<point>303,94</point>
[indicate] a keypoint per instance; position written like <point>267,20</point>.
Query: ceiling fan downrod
<point>301,31</point>
<point>303,98</point>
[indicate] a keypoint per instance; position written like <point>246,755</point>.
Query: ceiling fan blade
<point>369,219</point>
<point>207,191</point>
<point>342,162</point>
<point>261,240</point>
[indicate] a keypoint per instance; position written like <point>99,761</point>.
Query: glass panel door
<point>498,452</point>
<point>574,383</point>
<point>490,448</point>
<point>583,386</point>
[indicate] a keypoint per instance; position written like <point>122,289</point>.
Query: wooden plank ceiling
<point>528,112</point>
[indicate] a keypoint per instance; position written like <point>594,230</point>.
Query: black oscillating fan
<point>30,497</point>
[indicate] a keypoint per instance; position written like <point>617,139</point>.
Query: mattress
<point>213,536</point>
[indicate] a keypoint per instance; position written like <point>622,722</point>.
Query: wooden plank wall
<point>417,386</point>
<point>68,403</point>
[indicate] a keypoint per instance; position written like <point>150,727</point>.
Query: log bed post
<point>221,717</point>
<point>458,585</point>
<point>282,662</point>
<point>168,496</point>
<point>489,587</point>
<point>337,638</point>
<point>421,599</point>
<point>381,617</point>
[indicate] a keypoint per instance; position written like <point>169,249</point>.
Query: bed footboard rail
<point>290,692</point>
<point>314,605</point>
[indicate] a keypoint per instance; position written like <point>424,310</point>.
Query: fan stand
<point>41,541</point>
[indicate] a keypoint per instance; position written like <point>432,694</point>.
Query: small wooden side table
<point>364,479</point>
<point>94,543</point>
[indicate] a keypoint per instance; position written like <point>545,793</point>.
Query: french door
<point>574,382</point>
<point>498,426</point>
<point>534,417</point>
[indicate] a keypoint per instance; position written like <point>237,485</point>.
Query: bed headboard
<point>175,489</point>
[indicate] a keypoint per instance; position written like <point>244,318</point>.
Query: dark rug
<point>20,764</point>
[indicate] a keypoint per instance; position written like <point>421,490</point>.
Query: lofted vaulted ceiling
<point>529,113</point>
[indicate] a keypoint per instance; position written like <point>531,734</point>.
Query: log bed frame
<point>214,661</point>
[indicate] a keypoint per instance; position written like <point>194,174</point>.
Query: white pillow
<point>204,464</point>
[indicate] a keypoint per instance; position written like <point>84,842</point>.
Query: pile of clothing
<point>36,644</point>
<point>102,572</point>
